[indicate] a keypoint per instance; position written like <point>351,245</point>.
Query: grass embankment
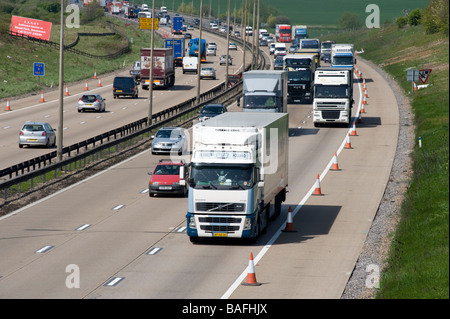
<point>16,73</point>
<point>418,264</point>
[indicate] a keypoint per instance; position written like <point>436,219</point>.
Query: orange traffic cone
<point>354,129</point>
<point>99,82</point>
<point>290,223</point>
<point>364,87</point>
<point>8,107</point>
<point>335,166</point>
<point>317,191</point>
<point>67,90</point>
<point>42,96</point>
<point>364,101</point>
<point>348,144</point>
<point>365,94</point>
<point>415,86</point>
<point>251,276</point>
<point>86,86</point>
<point>95,74</point>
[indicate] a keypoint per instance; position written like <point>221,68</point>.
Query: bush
<point>414,17</point>
<point>435,16</point>
<point>401,22</point>
<point>349,20</point>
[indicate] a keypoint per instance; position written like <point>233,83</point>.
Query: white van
<point>279,48</point>
<point>190,64</point>
<point>261,31</point>
<point>144,7</point>
<point>145,14</point>
<point>163,9</point>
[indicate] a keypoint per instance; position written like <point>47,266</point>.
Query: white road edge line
<point>269,244</point>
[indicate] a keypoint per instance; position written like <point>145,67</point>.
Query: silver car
<point>207,72</point>
<point>37,133</point>
<point>92,102</point>
<point>223,60</point>
<point>168,140</point>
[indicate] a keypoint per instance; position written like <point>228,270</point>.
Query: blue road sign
<point>38,69</point>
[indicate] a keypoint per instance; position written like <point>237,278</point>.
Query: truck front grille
<point>219,228</point>
<point>219,220</point>
<point>331,115</point>
<point>220,207</point>
<point>330,104</point>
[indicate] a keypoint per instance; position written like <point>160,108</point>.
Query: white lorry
<point>333,96</point>
<point>238,174</point>
<point>342,55</point>
<point>265,91</point>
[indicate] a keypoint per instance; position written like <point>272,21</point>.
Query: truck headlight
<point>247,223</point>
<point>192,222</point>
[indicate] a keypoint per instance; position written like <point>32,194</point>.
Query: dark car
<point>125,86</point>
<point>278,64</point>
<point>211,110</point>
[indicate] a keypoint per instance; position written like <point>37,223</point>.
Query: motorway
<point>124,244</point>
<point>81,126</point>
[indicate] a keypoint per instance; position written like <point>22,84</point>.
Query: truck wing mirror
<point>260,184</point>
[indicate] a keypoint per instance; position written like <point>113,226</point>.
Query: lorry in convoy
<point>115,7</point>
<point>163,68</point>
<point>238,174</point>
<point>283,33</point>
<point>299,32</point>
<point>325,51</point>
<point>342,55</point>
<point>265,91</point>
<point>301,68</point>
<point>193,49</point>
<point>177,25</point>
<point>333,96</point>
<point>178,46</point>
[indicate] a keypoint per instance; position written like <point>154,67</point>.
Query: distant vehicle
<point>278,64</point>
<point>212,45</point>
<point>187,35</point>
<point>194,48</point>
<point>279,49</point>
<point>169,177</point>
<point>135,72</point>
<point>210,50</point>
<point>144,7</point>
<point>190,64</point>
<point>293,48</point>
<point>37,133</point>
<point>270,39</point>
<point>177,25</point>
<point>91,102</point>
<point>272,48</point>
<point>207,72</point>
<point>163,9</point>
<point>125,86</point>
<point>214,26</point>
<point>232,46</point>
<point>237,33</point>
<point>163,68</point>
<point>263,43</point>
<point>169,140</point>
<point>190,27</point>
<point>211,110</point>
<point>223,60</point>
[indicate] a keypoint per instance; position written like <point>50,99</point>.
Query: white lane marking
<point>114,281</point>
<point>269,244</point>
<point>118,207</point>
<point>43,249</point>
<point>83,227</point>
<point>154,251</point>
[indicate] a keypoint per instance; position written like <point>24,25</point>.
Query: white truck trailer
<point>265,91</point>
<point>333,96</point>
<point>239,174</point>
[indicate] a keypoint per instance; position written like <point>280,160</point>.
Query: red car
<point>169,177</point>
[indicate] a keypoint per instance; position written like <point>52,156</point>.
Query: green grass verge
<point>418,264</point>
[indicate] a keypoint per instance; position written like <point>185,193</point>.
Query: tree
<point>401,22</point>
<point>349,20</point>
<point>435,16</point>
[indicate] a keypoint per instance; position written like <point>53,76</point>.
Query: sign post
<point>39,70</point>
<point>412,76</point>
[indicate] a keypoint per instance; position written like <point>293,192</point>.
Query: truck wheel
<point>194,240</point>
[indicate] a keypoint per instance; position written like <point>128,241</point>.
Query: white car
<point>271,48</point>
<point>232,46</point>
<point>211,51</point>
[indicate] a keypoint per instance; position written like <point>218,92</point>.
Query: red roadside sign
<point>424,74</point>
<point>32,28</point>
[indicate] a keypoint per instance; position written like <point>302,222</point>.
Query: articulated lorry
<point>333,96</point>
<point>325,51</point>
<point>299,32</point>
<point>301,68</point>
<point>342,55</point>
<point>265,91</point>
<point>163,68</point>
<point>178,46</point>
<point>283,33</point>
<point>194,49</point>
<point>177,25</point>
<point>238,174</point>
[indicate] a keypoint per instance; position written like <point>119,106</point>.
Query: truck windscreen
<point>222,176</point>
<point>260,101</point>
<point>296,62</point>
<point>330,91</point>
<point>299,76</point>
<point>343,60</point>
